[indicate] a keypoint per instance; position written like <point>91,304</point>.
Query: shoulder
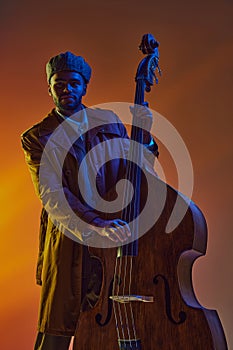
<point>33,130</point>
<point>44,127</point>
<point>105,121</point>
<point>103,115</point>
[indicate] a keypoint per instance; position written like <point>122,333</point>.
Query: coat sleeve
<point>151,149</point>
<point>64,209</point>
<point>148,141</point>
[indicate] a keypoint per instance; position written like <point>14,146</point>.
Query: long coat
<point>59,267</point>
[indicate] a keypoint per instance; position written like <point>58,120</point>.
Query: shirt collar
<point>78,121</point>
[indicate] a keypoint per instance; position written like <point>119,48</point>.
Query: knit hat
<point>68,61</point>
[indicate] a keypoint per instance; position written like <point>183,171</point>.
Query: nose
<point>67,88</point>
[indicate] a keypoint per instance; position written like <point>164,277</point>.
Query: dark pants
<point>46,341</point>
<point>91,286</point>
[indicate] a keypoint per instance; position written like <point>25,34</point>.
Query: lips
<point>67,97</point>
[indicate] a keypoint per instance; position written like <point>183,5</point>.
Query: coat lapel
<point>59,133</point>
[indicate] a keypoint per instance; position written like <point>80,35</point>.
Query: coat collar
<point>98,121</point>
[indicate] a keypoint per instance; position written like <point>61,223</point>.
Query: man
<point>65,270</point>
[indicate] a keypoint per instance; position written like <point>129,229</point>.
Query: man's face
<point>67,89</point>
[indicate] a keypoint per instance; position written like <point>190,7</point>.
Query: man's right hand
<point>115,230</point>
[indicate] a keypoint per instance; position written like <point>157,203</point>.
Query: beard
<point>68,105</point>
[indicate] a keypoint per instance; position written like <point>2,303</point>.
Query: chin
<point>67,107</point>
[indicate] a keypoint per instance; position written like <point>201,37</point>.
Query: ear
<point>49,90</point>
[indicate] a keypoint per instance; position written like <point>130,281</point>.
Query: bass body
<point>170,317</point>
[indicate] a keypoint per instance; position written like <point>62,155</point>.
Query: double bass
<point>147,300</point>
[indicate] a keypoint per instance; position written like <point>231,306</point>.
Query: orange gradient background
<point>194,94</point>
